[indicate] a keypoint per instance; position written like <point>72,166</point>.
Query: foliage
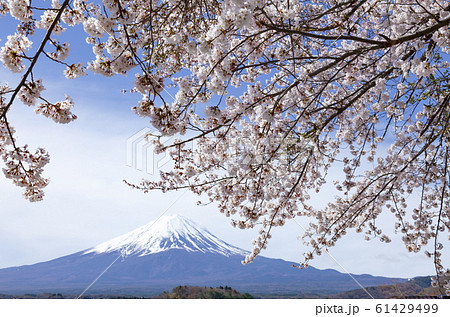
<point>191,292</point>
<point>418,287</point>
<point>401,290</point>
<point>276,95</point>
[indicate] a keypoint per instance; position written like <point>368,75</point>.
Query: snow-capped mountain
<point>166,233</point>
<point>168,252</point>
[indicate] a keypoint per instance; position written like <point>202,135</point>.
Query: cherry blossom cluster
<point>23,167</point>
<point>12,53</point>
<point>20,9</point>
<point>58,112</point>
<point>30,92</point>
<point>29,177</point>
<point>277,96</point>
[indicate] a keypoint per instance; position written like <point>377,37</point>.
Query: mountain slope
<point>161,256</point>
<point>166,233</point>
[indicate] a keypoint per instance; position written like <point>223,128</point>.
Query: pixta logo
<point>140,154</point>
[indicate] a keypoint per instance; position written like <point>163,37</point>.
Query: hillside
<point>197,292</point>
<point>418,287</point>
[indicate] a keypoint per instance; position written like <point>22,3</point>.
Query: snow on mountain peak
<point>165,233</point>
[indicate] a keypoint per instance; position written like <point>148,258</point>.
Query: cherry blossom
<point>11,55</point>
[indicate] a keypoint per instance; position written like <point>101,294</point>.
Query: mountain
<point>167,233</point>
<point>168,252</point>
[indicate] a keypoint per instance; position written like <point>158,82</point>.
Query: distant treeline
<point>186,292</point>
<point>192,292</point>
<point>34,296</point>
<point>418,287</point>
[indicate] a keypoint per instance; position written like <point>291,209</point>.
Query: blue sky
<point>87,203</point>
